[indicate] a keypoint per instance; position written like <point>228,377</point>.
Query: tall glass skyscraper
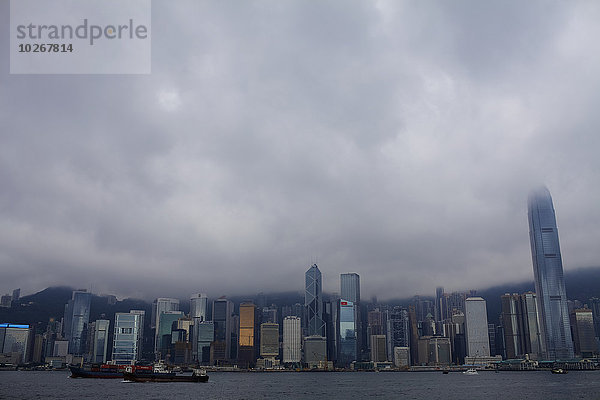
<point>159,306</point>
<point>77,318</point>
<point>222,319</point>
<point>313,301</point>
<point>548,275</point>
<point>350,287</point>
<point>198,306</point>
<point>99,345</point>
<point>128,336</point>
<point>348,344</point>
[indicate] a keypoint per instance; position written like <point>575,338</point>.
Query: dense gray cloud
<point>394,139</point>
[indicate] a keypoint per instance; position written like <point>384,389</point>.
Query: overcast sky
<point>395,139</point>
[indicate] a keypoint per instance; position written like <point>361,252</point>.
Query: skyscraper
<point>397,332</point>
<point>128,336</point>
<point>100,343</point>
<point>313,301</point>
<point>77,318</point>
<point>350,291</point>
<point>582,322</point>
<point>350,287</point>
<point>534,343</point>
<point>378,352</point>
<point>476,327</point>
<point>512,320</point>
<point>222,319</point>
<point>159,306</point>
<point>439,294</point>
<point>198,306</point>
<point>348,350</point>
<point>548,275</point>
<point>204,335</point>
<point>292,334</point>
<point>269,340</point>
<point>164,332</point>
<point>248,336</point>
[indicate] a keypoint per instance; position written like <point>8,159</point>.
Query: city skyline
<point>395,139</point>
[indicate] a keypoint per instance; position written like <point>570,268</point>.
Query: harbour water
<point>306,385</point>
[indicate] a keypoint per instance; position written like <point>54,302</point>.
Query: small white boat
<point>470,371</point>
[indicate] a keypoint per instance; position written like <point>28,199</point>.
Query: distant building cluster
<point>334,331</point>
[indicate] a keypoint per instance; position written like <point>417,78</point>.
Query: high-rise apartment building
<point>292,340</point>
<point>476,327</point>
<point>313,302</point>
<point>548,276</point>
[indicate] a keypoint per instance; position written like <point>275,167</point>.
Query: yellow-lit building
<point>247,338</point>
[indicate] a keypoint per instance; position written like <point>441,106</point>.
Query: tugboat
<point>160,374</point>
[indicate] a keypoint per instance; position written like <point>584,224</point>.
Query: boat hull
<point>95,373</point>
<point>163,377</point>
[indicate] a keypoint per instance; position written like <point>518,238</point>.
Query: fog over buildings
<point>395,139</point>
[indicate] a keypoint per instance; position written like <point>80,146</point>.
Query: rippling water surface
<point>307,385</point>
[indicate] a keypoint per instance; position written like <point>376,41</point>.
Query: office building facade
<point>16,338</point>
<point>128,337</point>
<point>476,328</point>
<point>350,287</point>
<point>77,318</point>
<point>582,322</point>
<point>204,335</point>
<point>159,306</point>
<point>548,276</point>
<point>269,340</point>
<point>313,302</point>
<point>199,306</point>
<point>397,332</point>
<point>348,346</point>
<point>222,318</point>
<point>292,340</point>
<point>248,335</point>
<point>99,345</point>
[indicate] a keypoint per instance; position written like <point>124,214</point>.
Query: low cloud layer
<point>398,140</point>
